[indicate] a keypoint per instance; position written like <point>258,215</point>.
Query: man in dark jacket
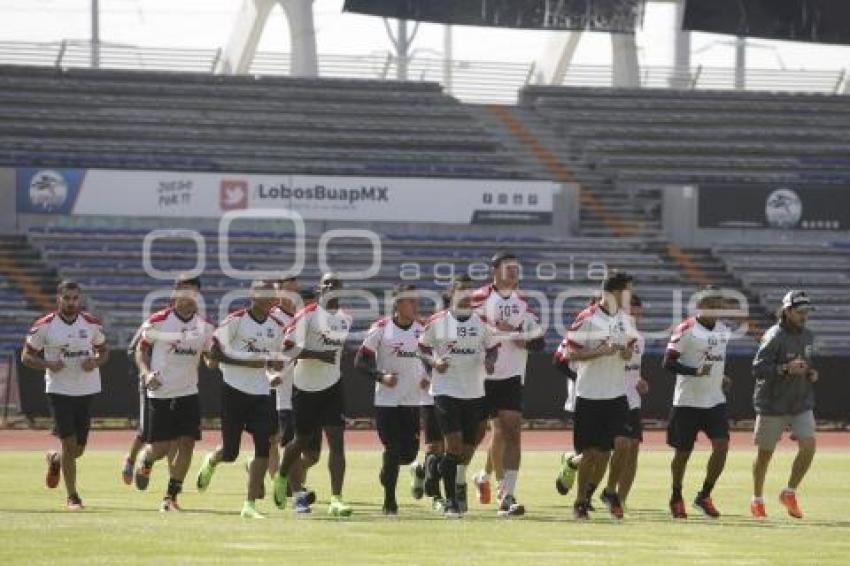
<point>783,398</point>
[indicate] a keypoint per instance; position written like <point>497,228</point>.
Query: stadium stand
<point>108,264</point>
<point>167,120</point>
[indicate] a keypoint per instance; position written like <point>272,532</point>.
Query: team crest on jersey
<point>269,333</point>
<point>465,331</point>
<point>83,333</point>
<point>712,341</point>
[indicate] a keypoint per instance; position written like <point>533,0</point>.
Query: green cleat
<point>249,511</point>
<point>279,486</point>
<point>567,476</point>
<point>205,474</point>
<point>338,508</point>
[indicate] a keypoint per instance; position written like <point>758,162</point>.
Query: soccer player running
<point>784,397</point>
<point>172,343</point>
<point>696,354</point>
<point>245,343</point>
<point>460,348</point>
<point>390,356</point>
<point>281,382</point>
<point>501,304</point>
<point>316,338</point>
<point>68,344</point>
<point>600,339</point>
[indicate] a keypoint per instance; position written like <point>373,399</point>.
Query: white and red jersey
<point>283,390</point>
<point>72,342</point>
<point>317,329</point>
<point>175,348</point>
<point>604,377</point>
<point>396,350</point>
<point>495,308</point>
<point>242,337</point>
<point>464,344</point>
<point>633,372</point>
<point>694,345</point>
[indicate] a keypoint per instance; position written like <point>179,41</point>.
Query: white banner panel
<point>386,199</point>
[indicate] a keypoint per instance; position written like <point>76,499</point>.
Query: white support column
<point>245,36</point>
<point>626,68</point>
<point>448,56</point>
<point>682,49</point>
<point>741,63</point>
<point>553,64</point>
<point>248,29</point>
<point>302,33</point>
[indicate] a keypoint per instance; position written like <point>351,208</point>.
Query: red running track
<point>367,440</point>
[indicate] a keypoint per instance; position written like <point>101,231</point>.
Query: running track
<point>368,440</point>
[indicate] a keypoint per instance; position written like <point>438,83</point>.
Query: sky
<point>206,24</point>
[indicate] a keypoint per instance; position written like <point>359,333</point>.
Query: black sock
<point>707,486</point>
<point>677,493</point>
<point>448,469</point>
<point>389,476</point>
<point>174,488</point>
<point>432,475</point>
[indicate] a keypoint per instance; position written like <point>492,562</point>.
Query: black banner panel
<point>617,16</point>
<point>819,21</point>
<point>543,395</point>
<point>776,207</point>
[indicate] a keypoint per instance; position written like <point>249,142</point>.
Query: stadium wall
<point>545,390</point>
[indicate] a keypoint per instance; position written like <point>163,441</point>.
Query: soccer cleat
<point>143,474</point>
<point>249,511</point>
<point>302,503</point>
<point>127,471</point>
<point>339,509</point>
<point>74,503</point>
<point>417,480</point>
<point>706,505</point>
<point>482,487</point>
<point>310,496</point>
<point>789,499</point>
<point>677,509</point>
<point>452,511</point>
<point>390,507</point>
<point>279,486</point>
<point>581,512</point>
<point>438,504</point>
<point>757,510</point>
<point>205,474</point>
<point>54,470</point>
<point>508,507</point>
<point>460,497</point>
<point>612,501</point>
<point>169,504</point>
<point>567,477</point>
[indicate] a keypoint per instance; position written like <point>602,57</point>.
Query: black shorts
<point>71,416</point>
<point>634,425</point>
<point>598,422</point>
<point>253,414</point>
<point>686,422</point>
<point>461,415</point>
<point>285,426</point>
<point>170,419</point>
<point>429,424</point>
<point>398,429</point>
<point>314,410</point>
<point>503,395</point>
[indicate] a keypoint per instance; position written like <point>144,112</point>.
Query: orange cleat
<point>789,500</point>
<point>54,470</point>
<point>482,486</point>
<point>757,510</point>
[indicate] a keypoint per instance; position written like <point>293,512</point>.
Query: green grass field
<point>123,526</point>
